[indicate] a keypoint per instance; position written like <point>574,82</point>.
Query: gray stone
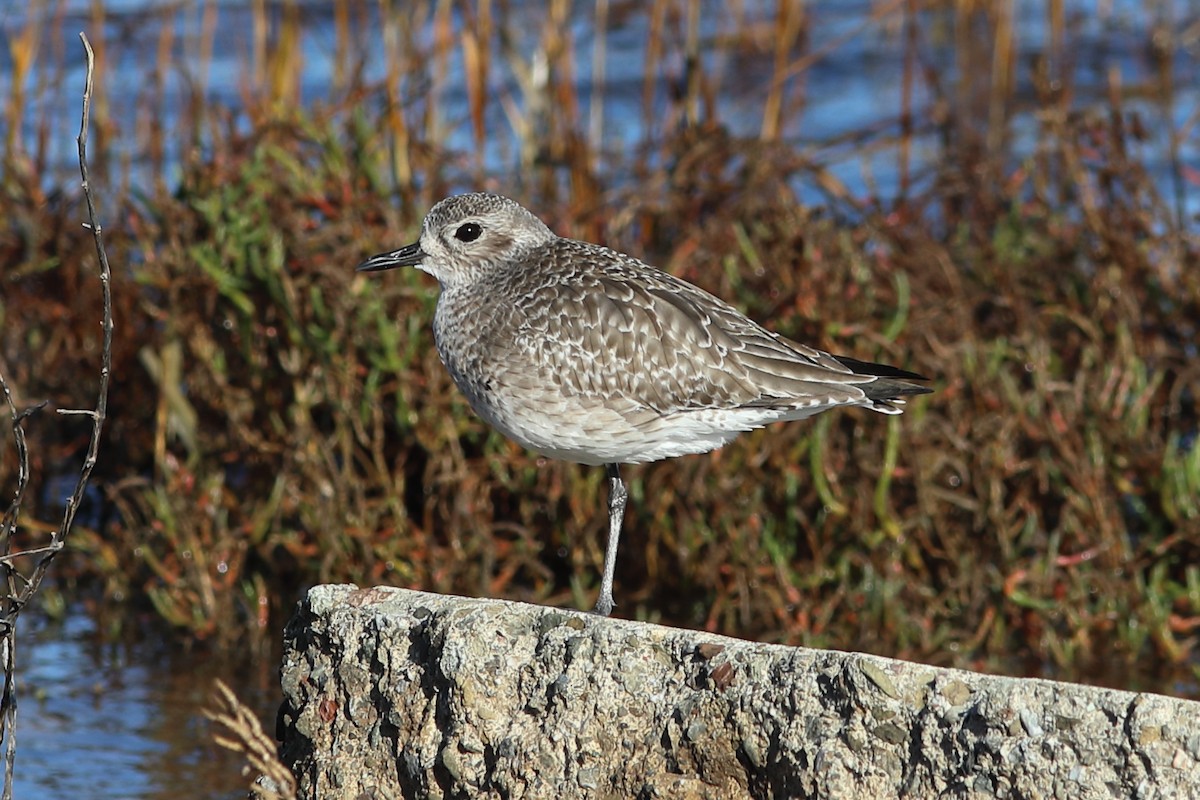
<point>394,693</point>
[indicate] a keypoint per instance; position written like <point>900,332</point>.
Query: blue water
<point>101,720</point>
<point>106,721</point>
<point>857,84</point>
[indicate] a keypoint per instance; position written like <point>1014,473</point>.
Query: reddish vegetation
<point>277,421</point>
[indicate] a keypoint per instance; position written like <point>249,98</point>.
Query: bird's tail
<point>893,385</point>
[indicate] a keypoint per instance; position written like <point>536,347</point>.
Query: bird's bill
<point>410,255</point>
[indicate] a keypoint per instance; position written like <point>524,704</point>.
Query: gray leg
<point>616,514</point>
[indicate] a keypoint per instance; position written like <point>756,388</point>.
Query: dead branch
<point>20,588</point>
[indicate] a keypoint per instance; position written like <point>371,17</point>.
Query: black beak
<point>410,255</point>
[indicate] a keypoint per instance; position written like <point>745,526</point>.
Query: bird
<point>585,354</point>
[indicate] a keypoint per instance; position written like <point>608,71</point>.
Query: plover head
<point>466,236</point>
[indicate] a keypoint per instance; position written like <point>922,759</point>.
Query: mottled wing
<point>640,338</point>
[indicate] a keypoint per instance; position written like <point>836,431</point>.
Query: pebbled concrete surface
<point>392,693</point>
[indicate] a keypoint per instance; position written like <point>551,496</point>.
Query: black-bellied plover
<point>585,354</point>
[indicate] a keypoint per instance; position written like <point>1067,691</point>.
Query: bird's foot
<point>604,605</point>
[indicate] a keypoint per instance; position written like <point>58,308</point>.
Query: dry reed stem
<point>246,737</point>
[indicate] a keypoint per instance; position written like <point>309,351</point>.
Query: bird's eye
<point>468,232</point>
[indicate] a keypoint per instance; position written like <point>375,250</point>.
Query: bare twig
<point>8,609</point>
<point>8,698</point>
<point>21,589</point>
<point>77,412</point>
<point>9,523</point>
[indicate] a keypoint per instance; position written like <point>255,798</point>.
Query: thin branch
<point>11,558</point>
<point>20,595</point>
<point>9,701</point>
<point>80,412</point>
<point>9,610</point>
<point>58,538</point>
<point>9,524</point>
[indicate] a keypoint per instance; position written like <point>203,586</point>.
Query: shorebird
<point>585,354</point>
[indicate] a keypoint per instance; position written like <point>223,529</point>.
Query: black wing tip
<point>883,371</point>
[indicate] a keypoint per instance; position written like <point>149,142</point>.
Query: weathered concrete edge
<point>1163,733</point>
